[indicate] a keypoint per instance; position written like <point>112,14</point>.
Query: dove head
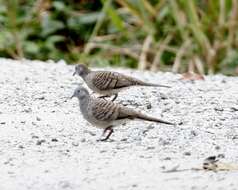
<point>81,93</point>
<point>81,70</point>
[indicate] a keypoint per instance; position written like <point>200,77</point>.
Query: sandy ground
<point>45,144</point>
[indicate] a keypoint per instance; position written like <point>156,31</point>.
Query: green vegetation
<point>180,36</point>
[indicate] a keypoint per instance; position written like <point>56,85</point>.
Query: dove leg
<point>109,134</point>
<point>115,97</point>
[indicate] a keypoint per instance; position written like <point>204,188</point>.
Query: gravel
<point>46,144</point>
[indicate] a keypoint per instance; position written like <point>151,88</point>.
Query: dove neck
<point>83,102</point>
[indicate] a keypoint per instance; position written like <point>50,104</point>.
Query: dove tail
<point>156,85</point>
<point>153,119</point>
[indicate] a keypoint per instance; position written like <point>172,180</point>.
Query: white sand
<point>45,144</point>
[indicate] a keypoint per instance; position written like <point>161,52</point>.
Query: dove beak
<point>72,96</point>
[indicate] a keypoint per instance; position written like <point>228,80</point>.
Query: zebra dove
<point>107,114</point>
<point>108,83</point>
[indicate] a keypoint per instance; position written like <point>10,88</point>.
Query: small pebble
<point>150,147</point>
<point>149,106</point>
<point>40,98</point>
<point>38,119</point>
<point>187,153</point>
<point>39,142</point>
<point>163,97</point>
<point>194,133</point>
<point>221,155</point>
<point>54,140</point>
<point>64,184</point>
<point>218,109</point>
<point>28,110</point>
<point>75,143</point>
<point>217,147</point>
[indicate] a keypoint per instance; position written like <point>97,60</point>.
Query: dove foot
<point>109,133</point>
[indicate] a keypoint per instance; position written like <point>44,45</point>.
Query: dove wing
<point>107,80</point>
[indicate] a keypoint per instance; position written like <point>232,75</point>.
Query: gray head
<point>81,70</point>
<point>81,93</point>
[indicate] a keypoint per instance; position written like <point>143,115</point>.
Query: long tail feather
<point>156,85</point>
<point>149,118</point>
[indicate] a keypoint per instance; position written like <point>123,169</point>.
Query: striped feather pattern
<point>103,110</point>
<point>106,80</point>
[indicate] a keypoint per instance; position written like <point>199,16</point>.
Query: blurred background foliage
<point>184,35</point>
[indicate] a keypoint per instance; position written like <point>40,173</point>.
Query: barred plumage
<point>106,80</point>
<point>103,110</point>
<point>109,83</point>
<point>106,114</point>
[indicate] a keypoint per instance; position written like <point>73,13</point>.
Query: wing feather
<point>104,110</point>
<point>107,80</point>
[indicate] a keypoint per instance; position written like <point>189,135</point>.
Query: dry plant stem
<point>12,53</point>
<point>130,8</point>
<point>98,25</point>
<point>159,5</point>
<point>115,50</point>
<point>200,35</point>
<point>143,56</point>
<point>106,37</point>
<point>162,45</point>
<point>210,59</point>
<point>19,50</point>
<point>39,7</point>
<point>12,11</point>
<point>180,54</point>
<point>180,18</point>
<point>149,8</point>
<point>191,66</point>
<point>199,65</point>
<point>232,24</point>
<point>222,12</point>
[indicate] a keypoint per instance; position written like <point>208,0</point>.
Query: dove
<point>108,83</point>
<point>106,114</point>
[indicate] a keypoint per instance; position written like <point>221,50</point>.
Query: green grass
<point>179,36</point>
